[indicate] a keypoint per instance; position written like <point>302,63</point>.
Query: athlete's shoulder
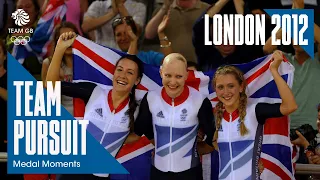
<point>97,93</point>
<point>195,94</point>
<point>98,90</point>
<point>153,95</point>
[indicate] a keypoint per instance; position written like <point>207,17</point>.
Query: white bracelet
<point>165,38</point>
<point>165,46</point>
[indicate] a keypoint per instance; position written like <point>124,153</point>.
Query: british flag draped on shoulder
<point>96,63</point>
<point>40,42</point>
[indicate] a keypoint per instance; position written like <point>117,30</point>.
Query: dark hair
<point>35,4</point>
<point>56,35</point>
<point>192,64</point>
<point>132,102</point>
<point>64,24</point>
<point>129,20</point>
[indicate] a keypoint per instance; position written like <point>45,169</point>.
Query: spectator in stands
<point>66,69</point>
<point>306,82</point>
<point>319,50</point>
<point>6,9</point>
<point>183,15</point>
<point>3,97</point>
<point>101,14</point>
<point>31,7</point>
<point>309,150</point>
<point>257,8</point>
<point>308,4</point>
<point>211,57</point>
<point>3,113</point>
<point>208,1</point>
<point>125,33</point>
<point>318,126</point>
<point>318,119</point>
<point>75,12</point>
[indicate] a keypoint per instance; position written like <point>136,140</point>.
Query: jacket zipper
<point>171,121</point>
<point>107,126</point>
<point>230,147</point>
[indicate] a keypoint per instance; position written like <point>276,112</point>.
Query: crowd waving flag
<point>40,42</point>
<point>95,63</point>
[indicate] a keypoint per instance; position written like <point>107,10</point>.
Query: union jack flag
<point>96,63</point>
<point>40,42</point>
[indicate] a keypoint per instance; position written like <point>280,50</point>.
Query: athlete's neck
<point>118,97</point>
<point>233,107</point>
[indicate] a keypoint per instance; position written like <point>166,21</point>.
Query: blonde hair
<point>219,109</point>
<point>173,57</point>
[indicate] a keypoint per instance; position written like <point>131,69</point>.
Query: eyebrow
<point>128,68</point>
<point>226,84</point>
<point>173,74</point>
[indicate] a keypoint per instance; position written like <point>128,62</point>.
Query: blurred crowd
<point>152,29</point>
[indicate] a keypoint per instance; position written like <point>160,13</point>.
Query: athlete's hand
<point>66,40</point>
<point>277,58</point>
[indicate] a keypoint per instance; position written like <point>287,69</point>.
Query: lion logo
<point>21,17</point>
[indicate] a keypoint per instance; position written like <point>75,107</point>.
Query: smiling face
<point>126,75</point>
<point>229,84</point>
<point>174,74</point>
<point>122,38</point>
<point>228,90</point>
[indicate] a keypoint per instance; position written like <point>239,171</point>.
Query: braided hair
<point>218,111</point>
<point>132,99</point>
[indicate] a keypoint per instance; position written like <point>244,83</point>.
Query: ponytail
<point>132,108</point>
<point>132,98</point>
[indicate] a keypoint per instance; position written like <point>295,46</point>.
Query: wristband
<point>309,148</point>
<point>165,38</point>
<point>165,46</point>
